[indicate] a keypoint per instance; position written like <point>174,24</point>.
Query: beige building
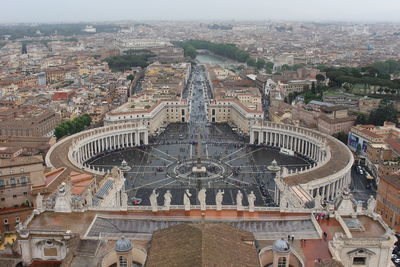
<point>294,86</point>
<point>329,119</point>
<point>17,176</point>
<point>234,112</point>
<point>155,114</point>
<point>366,105</point>
<point>28,122</point>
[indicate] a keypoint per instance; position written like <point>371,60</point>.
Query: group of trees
<point>230,51</point>
<point>341,136</point>
<point>125,62</point>
<point>72,126</point>
<point>387,67</point>
<point>189,51</point>
<point>377,74</point>
<point>315,93</point>
<point>385,112</point>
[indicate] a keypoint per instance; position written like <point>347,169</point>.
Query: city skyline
<point>23,11</point>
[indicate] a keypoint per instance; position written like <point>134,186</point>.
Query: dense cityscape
<point>200,143</point>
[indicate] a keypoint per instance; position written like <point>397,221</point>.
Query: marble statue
<point>239,199</point>
<point>219,198</point>
<point>63,199</point>
<point>39,202</point>
<point>167,200</point>
<point>186,199</point>
<point>19,226</point>
<point>371,204</point>
<point>89,199</point>
<point>124,199</point>
<point>251,198</point>
<point>318,201</point>
<point>283,202</point>
<point>153,201</point>
<point>202,198</point>
<point>115,172</point>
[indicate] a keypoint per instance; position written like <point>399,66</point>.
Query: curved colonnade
<point>333,160</point>
<point>78,148</point>
<point>329,174</point>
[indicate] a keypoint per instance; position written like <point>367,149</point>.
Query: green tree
<point>72,126</point>
<point>251,62</point>
<point>385,112</point>
<point>320,78</point>
<point>190,51</point>
<point>313,89</point>
<point>342,136</point>
<point>260,64</point>
<point>285,67</point>
<point>361,119</point>
<point>130,77</point>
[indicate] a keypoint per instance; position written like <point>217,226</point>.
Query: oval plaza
<point>155,185</point>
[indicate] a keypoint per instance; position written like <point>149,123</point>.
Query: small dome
<point>123,245</point>
<point>281,246</point>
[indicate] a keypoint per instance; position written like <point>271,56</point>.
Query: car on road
<point>136,201</point>
<point>358,169</point>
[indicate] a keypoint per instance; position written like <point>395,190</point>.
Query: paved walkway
<point>318,248</point>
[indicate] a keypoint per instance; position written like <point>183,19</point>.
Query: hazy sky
<point>99,10</point>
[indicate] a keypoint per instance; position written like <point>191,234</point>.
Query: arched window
<point>123,262</point>
<point>282,262</point>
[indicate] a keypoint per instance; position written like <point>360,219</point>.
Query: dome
<point>123,245</point>
<point>281,246</point>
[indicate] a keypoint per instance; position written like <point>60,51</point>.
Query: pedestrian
<point>288,237</point>
<point>292,238</point>
<point>325,235</point>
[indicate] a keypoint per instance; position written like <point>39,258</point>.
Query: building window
<point>14,196</point>
<point>282,262</point>
<point>122,261</point>
<point>25,193</point>
<point>12,182</point>
<point>2,182</point>
<point>21,169</point>
<point>23,180</point>
<point>17,219</point>
<point>359,260</point>
<point>2,199</point>
<point>5,221</point>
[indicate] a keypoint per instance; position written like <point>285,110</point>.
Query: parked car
<point>136,201</point>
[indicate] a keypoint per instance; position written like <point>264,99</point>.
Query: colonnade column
<point>137,138</point>
<point>146,138</point>
<point>251,137</point>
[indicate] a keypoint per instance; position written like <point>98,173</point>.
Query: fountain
<point>124,166</point>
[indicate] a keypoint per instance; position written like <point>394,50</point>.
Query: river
<point>210,59</point>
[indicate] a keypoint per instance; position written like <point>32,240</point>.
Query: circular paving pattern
<point>200,169</point>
